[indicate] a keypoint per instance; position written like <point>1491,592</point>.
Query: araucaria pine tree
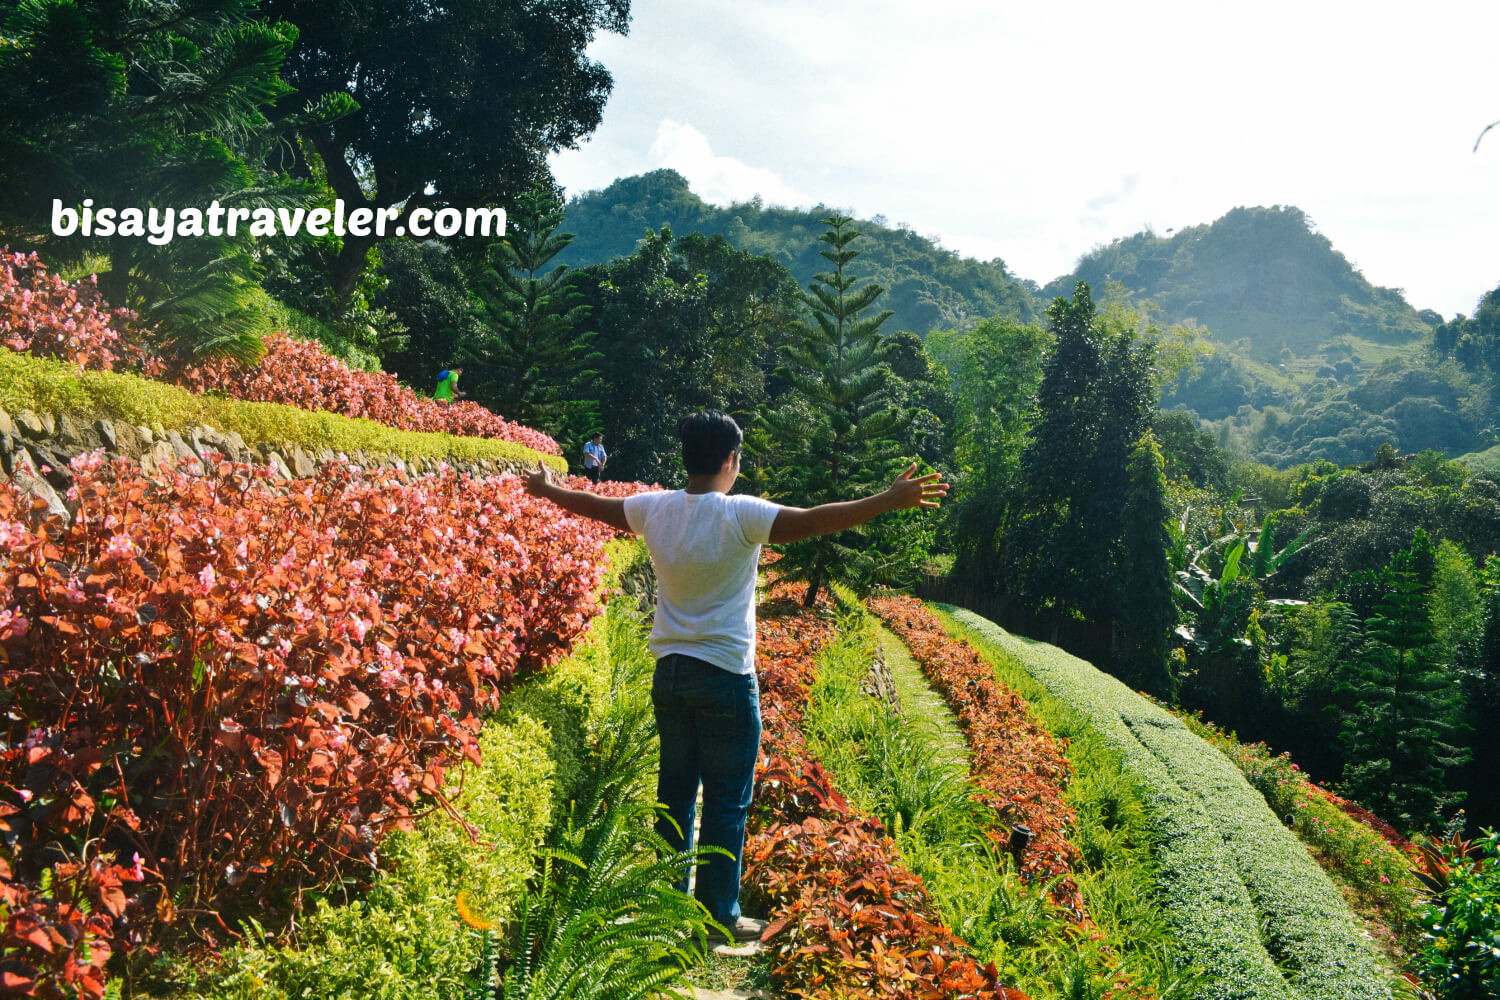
<point>1398,740</point>
<point>1143,629</point>
<point>542,362</point>
<point>834,433</point>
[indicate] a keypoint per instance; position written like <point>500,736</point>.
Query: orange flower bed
<point>1023,768</point>
<point>848,918</point>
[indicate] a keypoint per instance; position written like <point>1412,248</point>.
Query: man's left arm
<point>609,510</point>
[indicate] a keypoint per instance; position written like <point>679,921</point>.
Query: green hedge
<point>49,386</point>
<point>1246,902</point>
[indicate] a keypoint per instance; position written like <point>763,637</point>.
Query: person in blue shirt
<point>594,457</point>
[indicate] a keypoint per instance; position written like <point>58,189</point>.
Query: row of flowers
<point>42,314</point>
<point>218,691</point>
<point>849,918</point>
<point>1022,767</point>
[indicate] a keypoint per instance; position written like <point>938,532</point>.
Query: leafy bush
<point>1460,956</point>
<point>602,919</point>
<point>302,374</point>
<point>1241,893</point>
<point>250,685</point>
<point>404,939</point>
<point>1354,845</point>
<point>413,935</point>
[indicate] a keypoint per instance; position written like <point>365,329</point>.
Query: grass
<point>1239,892</point>
<point>49,386</point>
<point>923,707</point>
<point>908,769</point>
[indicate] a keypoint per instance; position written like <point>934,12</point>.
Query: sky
<point>1035,132</point>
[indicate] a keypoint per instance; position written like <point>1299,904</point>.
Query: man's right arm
<point>793,524</point>
<point>610,510</point>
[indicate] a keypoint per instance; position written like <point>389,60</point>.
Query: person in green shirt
<point>447,387</point>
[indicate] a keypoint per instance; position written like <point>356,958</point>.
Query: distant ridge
<point>1257,274</point>
<point>927,286</point>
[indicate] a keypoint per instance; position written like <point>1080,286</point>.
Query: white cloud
<point>717,179</point>
<point>1035,131</point>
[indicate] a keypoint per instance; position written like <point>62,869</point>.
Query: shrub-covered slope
<point>1248,903</point>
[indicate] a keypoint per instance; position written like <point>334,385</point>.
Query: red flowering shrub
<point>849,919</point>
<point>1021,764</point>
<point>42,314</point>
<point>56,943</point>
<point>302,374</point>
<point>247,685</point>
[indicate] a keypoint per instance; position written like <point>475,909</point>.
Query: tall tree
<point>1398,740</point>
<point>1064,554</point>
<point>459,103</point>
<point>751,303</point>
<point>1143,626</point>
<point>149,106</point>
<point>652,317</point>
<point>541,364</point>
<point>995,368</point>
<point>835,433</point>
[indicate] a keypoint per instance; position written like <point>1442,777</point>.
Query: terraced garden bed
<point>1240,892</point>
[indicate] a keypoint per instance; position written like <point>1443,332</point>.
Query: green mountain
<point>1258,275</point>
<point>1310,361</point>
<point>927,286</point>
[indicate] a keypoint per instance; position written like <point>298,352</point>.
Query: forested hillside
<point>1310,361</point>
<point>1262,275</point>
<point>928,287</point>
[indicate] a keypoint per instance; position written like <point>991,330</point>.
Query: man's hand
<point>923,491</point>
<point>537,480</point>
<point>793,524</point>
<point>610,510</point>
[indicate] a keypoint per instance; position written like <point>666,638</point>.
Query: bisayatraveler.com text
<point>161,225</point>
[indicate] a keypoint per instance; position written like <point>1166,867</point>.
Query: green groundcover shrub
<point>46,385</point>
<point>1246,902</point>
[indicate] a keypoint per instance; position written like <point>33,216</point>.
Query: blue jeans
<point>709,721</point>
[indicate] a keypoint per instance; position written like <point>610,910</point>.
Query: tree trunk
<point>813,586</point>
<point>348,266</point>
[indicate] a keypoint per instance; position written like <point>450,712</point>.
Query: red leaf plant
<point>42,314</point>
<point>302,374</point>
<point>1023,768</point>
<point>848,918</point>
<point>245,684</point>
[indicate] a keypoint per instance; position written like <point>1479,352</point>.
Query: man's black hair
<point>708,437</point>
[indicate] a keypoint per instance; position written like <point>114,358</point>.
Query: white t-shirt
<point>705,548</point>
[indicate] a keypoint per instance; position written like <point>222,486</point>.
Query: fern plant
<point>602,917</point>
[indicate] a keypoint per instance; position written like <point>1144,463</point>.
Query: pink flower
<point>206,578</point>
<point>121,546</point>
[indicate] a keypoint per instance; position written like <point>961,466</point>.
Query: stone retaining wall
<point>36,449</point>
